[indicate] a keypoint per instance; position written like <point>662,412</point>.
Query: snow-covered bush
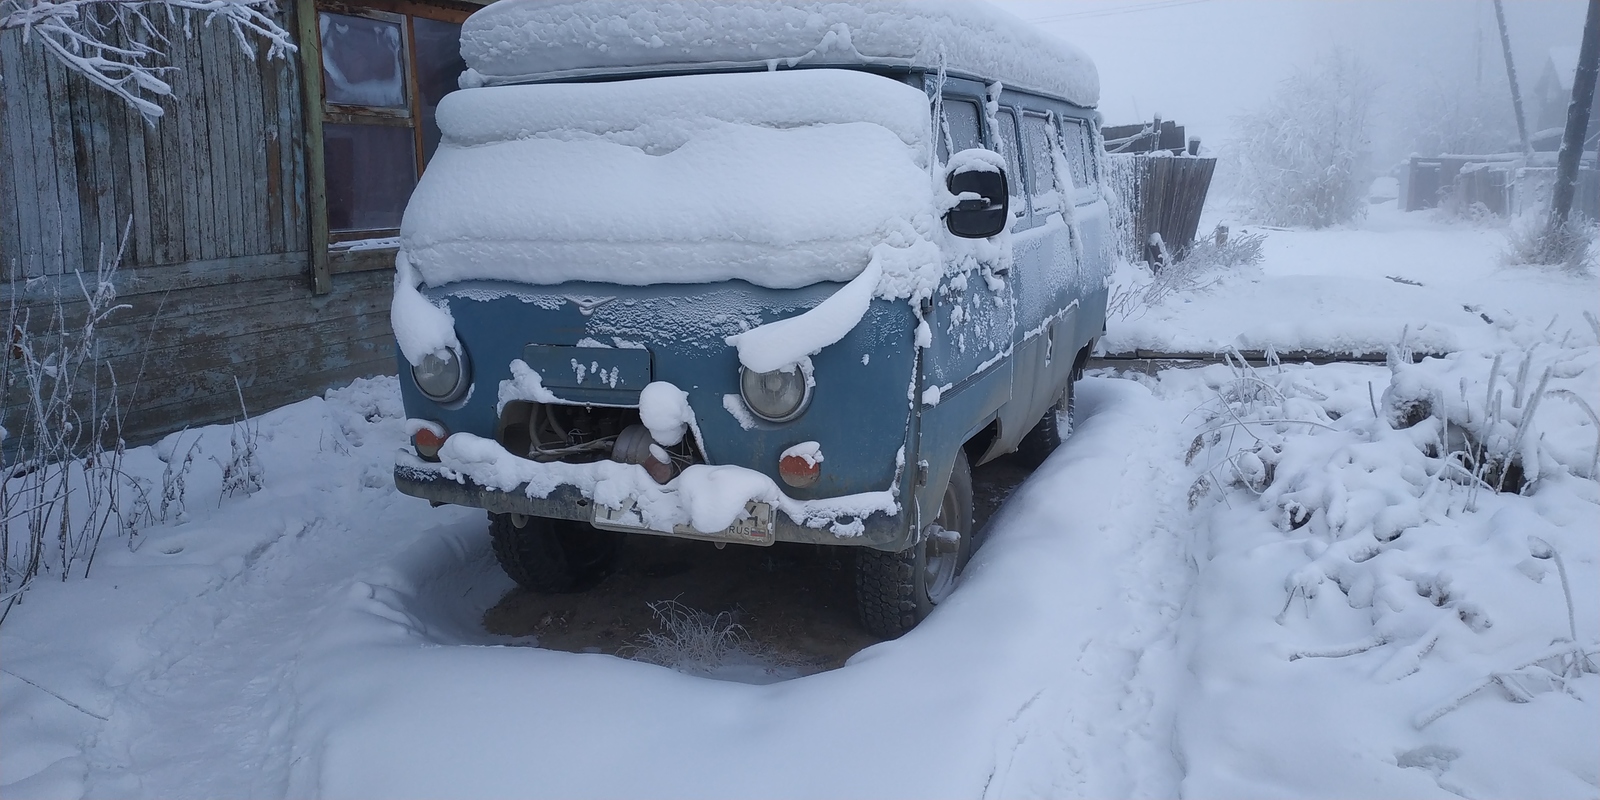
<point>1302,157</point>
<point>1415,514</point>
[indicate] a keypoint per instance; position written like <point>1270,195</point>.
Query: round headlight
<point>442,376</point>
<point>777,396</point>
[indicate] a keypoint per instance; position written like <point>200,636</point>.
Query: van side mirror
<point>982,216</point>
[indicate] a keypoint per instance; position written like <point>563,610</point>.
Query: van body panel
<point>862,378</point>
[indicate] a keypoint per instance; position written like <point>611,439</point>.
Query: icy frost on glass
<point>961,131</point>
<point>1041,165</point>
<point>1072,141</point>
<point>362,61</point>
<point>1012,150</point>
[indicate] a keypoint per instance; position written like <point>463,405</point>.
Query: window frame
<point>1035,212</point>
<point>356,114</point>
<point>1088,190</point>
<point>1018,183</point>
<point>944,138</point>
<point>325,259</point>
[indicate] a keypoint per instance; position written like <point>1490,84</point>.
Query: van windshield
<point>781,179</point>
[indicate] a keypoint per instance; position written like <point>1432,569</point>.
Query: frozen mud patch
<point>439,591</point>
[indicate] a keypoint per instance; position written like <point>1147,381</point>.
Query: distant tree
<point>1302,157</point>
<point>117,45</point>
<point>1449,115</point>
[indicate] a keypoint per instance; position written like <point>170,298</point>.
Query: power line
<point>1157,5</point>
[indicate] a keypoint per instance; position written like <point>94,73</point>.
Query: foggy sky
<point>1202,62</point>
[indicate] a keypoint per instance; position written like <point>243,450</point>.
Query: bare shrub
<point>243,471</point>
<point>701,643</point>
<point>689,638</point>
<point>61,479</point>
<point>1205,264</point>
<point>1529,242</point>
<point>1301,158</point>
<point>175,476</point>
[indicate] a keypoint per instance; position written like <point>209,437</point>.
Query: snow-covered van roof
<point>523,41</point>
<point>780,179</point>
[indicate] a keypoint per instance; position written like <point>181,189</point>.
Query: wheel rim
<point>941,543</point>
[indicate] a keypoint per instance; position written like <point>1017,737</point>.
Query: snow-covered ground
<point>1357,289</point>
<point>1228,583</point>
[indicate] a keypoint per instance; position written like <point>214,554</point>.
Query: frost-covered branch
<point>116,45</point>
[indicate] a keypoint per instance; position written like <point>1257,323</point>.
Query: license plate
<point>754,528</point>
<point>599,375</point>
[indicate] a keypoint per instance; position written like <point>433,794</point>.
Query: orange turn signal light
<point>798,471</point>
<point>428,443</point>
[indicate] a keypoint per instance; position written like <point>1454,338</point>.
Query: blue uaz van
<point>748,272</point>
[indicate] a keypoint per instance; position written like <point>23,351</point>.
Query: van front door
<point>1044,270</point>
<point>965,368</point>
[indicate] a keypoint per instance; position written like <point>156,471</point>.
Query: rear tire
<point>1049,433</point>
<point>895,591</point>
<point>553,556</point>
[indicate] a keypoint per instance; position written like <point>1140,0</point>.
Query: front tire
<point>895,591</point>
<point>553,556</point>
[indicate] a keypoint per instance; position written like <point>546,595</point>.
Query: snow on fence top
<point>517,41</point>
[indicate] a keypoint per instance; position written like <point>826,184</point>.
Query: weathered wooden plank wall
<point>1160,194</point>
<point>215,268</point>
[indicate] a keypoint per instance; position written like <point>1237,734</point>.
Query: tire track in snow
<point>1104,727</point>
<point>202,719</point>
<point>212,714</point>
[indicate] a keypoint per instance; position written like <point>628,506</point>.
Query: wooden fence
<point>1502,185</point>
<point>1160,193</point>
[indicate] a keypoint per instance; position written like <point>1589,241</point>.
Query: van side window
<point>961,127</point>
<point>1010,148</point>
<point>1092,148</point>
<point>1072,140</point>
<point>1043,188</point>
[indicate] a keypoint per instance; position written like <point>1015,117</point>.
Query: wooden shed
<point>260,210</point>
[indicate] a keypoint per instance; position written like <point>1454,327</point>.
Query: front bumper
<point>879,531</point>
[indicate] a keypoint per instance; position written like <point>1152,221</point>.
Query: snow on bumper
<point>475,471</point>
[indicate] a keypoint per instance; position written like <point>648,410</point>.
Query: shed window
<point>363,61</point>
<point>383,75</point>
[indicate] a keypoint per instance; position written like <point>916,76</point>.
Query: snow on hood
<point>782,179</point>
<point>522,40</point>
